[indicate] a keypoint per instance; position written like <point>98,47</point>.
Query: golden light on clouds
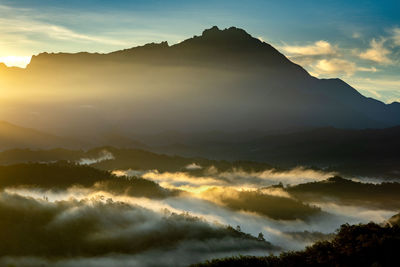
<point>318,48</point>
<point>335,66</point>
<point>377,52</point>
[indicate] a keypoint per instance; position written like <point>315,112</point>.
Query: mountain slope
<point>366,152</point>
<point>221,80</point>
<point>12,136</point>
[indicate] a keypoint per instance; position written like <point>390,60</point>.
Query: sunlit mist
<point>16,61</point>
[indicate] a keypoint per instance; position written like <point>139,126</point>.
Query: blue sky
<point>358,41</point>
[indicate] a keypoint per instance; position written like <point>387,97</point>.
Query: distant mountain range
<point>16,137</point>
<point>223,80</point>
<point>369,152</point>
<point>13,136</point>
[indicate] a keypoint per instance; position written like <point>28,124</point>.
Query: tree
<point>238,228</point>
<point>261,237</point>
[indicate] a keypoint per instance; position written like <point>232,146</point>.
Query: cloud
<point>240,190</point>
<point>107,224</point>
<point>377,52</point>
<point>104,155</point>
<point>28,27</point>
<point>193,166</point>
<point>318,48</point>
<point>236,178</point>
<point>183,204</point>
<point>324,59</point>
<point>396,36</point>
<point>356,35</point>
<point>98,227</point>
<point>272,206</point>
<point>24,32</point>
<point>335,66</point>
<point>270,177</point>
<point>22,22</point>
<point>371,69</point>
<point>355,214</point>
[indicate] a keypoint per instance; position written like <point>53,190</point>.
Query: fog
<point>287,234</point>
<point>234,178</point>
<point>104,155</point>
<point>99,225</point>
<point>77,98</point>
<point>187,218</point>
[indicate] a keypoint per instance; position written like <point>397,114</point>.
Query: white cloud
<point>371,69</point>
<point>25,30</point>
<point>193,166</point>
<point>318,48</point>
<point>104,155</point>
<point>356,35</point>
<point>335,66</point>
<point>377,52</point>
<point>396,36</point>
<point>25,27</point>
<point>234,178</point>
<point>324,59</point>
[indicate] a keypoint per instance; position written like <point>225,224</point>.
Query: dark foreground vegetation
<point>354,245</point>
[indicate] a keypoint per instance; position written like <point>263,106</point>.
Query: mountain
<point>223,80</point>
<point>361,152</point>
<point>20,138</point>
<point>12,136</point>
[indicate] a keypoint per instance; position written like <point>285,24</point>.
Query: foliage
<point>62,175</point>
<point>354,245</point>
<point>384,195</point>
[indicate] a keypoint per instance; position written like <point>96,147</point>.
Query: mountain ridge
<point>222,80</point>
<point>12,136</point>
<point>213,34</point>
<point>232,40</point>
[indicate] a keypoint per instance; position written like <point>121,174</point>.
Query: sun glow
<point>16,61</point>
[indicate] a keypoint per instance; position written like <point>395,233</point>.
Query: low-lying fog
<point>100,226</point>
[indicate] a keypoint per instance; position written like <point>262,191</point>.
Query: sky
<point>357,41</point>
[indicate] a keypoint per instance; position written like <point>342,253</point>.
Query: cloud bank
<point>85,230</point>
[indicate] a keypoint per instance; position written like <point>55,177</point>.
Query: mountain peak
<point>214,31</point>
<point>231,34</point>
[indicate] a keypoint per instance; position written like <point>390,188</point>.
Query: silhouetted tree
<point>261,237</point>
